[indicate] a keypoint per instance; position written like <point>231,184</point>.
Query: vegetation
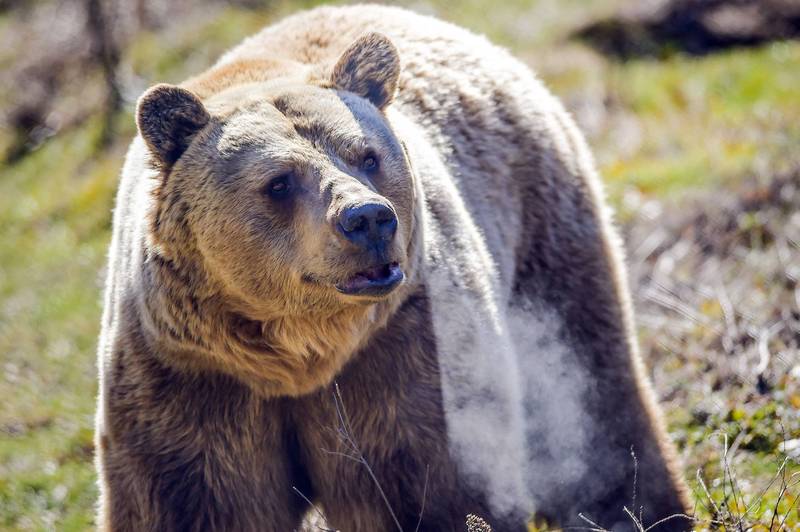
<point>700,158</point>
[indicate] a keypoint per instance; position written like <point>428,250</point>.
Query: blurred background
<point>692,108</point>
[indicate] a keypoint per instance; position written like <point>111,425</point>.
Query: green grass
<point>687,122</point>
<point>710,119</point>
<point>700,122</point>
<point>54,210</point>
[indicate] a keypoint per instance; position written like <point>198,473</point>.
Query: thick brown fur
<point>223,332</point>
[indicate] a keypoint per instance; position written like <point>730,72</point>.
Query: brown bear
<point>363,267</point>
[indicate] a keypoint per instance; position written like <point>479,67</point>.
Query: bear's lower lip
<point>377,281</point>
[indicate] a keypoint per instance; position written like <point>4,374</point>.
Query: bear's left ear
<point>370,67</point>
<point>168,118</point>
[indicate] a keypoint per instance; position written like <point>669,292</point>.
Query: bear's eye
<point>370,162</point>
<point>279,188</point>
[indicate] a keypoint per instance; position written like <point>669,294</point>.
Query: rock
<point>658,28</point>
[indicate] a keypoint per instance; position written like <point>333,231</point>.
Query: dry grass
<point>717,294</point>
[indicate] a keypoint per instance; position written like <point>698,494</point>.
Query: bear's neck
<point>189,327</point>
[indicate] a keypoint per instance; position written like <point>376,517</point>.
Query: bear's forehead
<point>280,119</point>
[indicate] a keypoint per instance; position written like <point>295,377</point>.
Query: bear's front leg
<point>375,443</point>
<point>191,453</point>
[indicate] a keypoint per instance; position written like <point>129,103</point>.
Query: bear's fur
<point>242,376</point>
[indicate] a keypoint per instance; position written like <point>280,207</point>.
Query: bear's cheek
<point>246,262</point>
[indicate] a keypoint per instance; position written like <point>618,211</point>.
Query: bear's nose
<point>368,225</point>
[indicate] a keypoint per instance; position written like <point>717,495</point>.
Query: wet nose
<point>368,225</point>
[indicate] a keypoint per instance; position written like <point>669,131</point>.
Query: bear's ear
<point>168,118</point>
<point>370,67</point>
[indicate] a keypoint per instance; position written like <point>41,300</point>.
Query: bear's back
<point>482,112</point>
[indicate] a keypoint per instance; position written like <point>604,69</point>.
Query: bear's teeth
<point>373,274</point>
<point>378,273</point>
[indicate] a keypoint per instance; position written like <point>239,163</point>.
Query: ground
<point>698,153</point>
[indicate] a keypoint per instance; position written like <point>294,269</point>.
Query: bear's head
<point>290,206</point>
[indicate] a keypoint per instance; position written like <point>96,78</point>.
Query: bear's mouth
<point>377,281</point>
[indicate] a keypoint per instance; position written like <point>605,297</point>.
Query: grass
<point>688,122</point>
<point>705,121</point>
<point>662,131</point>
<point>55,207</point>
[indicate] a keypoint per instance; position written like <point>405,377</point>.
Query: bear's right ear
<point>168,117</point>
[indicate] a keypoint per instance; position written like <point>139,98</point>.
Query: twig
<point>669,517</point>
<point>766,488</point>
<point>346,434</point>
<point>778,500</point>
<point>731,480</point>
<point>316,509</point>
<point>596,527</point>
<point>764,355</point>
<point>729,314</point>
<point>635,475</point>
<point>707,493</point>
<point>424,497</point>
<point>791,506</point>
<point>636,522</point>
